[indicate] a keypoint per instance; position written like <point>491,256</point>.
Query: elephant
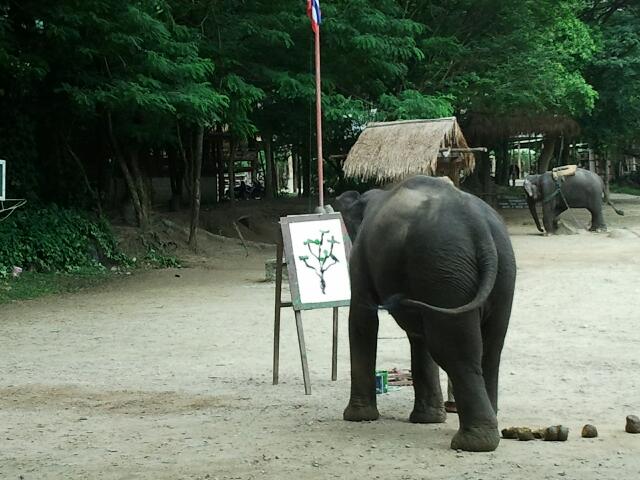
<point>585,189</point>
<point>440,261</point>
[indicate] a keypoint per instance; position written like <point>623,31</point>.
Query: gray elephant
<point>440,261</point>
<point>584,189</point>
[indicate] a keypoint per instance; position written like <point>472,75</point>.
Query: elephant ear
<point>531,189</point>
<point>352,205</point>
<point>346,200</point>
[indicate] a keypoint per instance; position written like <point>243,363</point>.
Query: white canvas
<point>336,274</point>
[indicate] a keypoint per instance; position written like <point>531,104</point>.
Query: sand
<point>167,374</point>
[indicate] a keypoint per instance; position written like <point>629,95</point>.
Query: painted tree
<point>324,256</point>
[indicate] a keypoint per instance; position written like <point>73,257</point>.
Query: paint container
<point>382,381</point>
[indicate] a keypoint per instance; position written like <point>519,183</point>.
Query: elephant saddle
<point>564,171</point>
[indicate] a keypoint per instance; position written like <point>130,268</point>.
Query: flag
<point>313,12</point>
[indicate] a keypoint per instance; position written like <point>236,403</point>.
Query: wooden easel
<point>279,304</point>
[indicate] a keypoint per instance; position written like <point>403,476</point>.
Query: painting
<point>316,249</point>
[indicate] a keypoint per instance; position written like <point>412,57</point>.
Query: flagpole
<point>319,118</point>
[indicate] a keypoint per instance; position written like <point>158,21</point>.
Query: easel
<point>298,314</point>
<point>297,309</point>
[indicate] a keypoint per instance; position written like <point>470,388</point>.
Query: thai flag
<point>313,12</point>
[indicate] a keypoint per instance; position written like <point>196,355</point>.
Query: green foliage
<point>615,73</point>
<point>32,285</point>
<point>158,254</point>
<point>628,189</point>
<point>54,239</point>
<point>159,258</point>
<point>413,104</point>
<point>134,61</point>
<point>17,145</point>
<point>246,67</point>
<point>506,56</point>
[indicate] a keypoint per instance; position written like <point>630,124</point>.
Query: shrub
<point>54,239</point>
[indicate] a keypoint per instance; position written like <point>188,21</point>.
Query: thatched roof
<point>395,150</point>
<point>487,128</point>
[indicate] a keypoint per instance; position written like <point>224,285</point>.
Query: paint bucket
<point>382,381</point>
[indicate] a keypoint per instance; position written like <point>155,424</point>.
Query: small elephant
<point>585,189</point>
<point>441,262</point>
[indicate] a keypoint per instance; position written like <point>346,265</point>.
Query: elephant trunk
<point>534,213</point>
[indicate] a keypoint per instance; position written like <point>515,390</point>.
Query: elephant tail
<point>610,203</point>
<point>617,210</point>
<point>488,261</point>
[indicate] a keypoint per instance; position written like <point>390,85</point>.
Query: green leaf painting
<point>324,259</point>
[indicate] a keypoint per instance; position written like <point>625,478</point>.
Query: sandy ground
<point>167,375</point>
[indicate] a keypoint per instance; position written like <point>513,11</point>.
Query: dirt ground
<point>167,375</point>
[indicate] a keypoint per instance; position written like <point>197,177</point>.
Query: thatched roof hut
<point>394,150</point>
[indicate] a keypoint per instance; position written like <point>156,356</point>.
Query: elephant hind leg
<point>456,344</point>
<point>428,405</point>
<point>597,220</point>
<point>493,334</point>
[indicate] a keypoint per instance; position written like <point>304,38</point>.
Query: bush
<point>53,239</point>
<point>631,179</point>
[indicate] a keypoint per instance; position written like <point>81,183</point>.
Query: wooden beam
<point>463,150</point>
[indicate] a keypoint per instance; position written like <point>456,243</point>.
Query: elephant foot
<point>428,415</point>
<point>598,229</point>
<point>360,413</point>
<point>476,439</point>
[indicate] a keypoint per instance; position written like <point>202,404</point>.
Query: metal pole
<point>319,119</point>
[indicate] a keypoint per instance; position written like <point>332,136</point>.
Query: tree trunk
<point>607,173</point>
<point>276,174</point>
<point>484,172</point>
<point>254,169</point>
<point>147,161</point>
<point>140,186</point>
<point>306,174</point>
<point>566,152</point>
<point>299,174</point>
<point>296,170</point>
<point>85,177</point>
<point>502,164</point>
<point>176,179</point>
<point>268,177</point>
<point>232,171</point>
<point>207,158</point>
<point>138,205</point>
<point>220,167</point>
<point>187,159</point>
<point>548,147</point>
<point>195,194</point>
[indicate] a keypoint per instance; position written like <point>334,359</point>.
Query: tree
<point>504,59</point>
<point>140,71</point>
<point>615,73</point>
<point>119,70</point>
